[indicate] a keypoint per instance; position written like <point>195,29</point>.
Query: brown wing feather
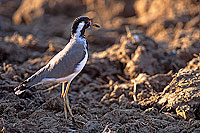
<point>61,65</point>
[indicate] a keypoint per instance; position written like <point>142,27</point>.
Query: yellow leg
<point>64,102</point>
<point>65,95</point>
<point>63,89</point>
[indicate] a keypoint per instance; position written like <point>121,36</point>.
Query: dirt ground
<point>143,72</point>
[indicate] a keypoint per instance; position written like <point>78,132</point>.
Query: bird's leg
<point>73,120</point>
<point>63,89</point>
<point>66,97</point>
<point>63,97</point>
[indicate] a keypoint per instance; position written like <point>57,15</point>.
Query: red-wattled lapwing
<point>66,65</point>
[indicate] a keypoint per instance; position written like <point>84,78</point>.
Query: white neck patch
<point>80,27</point>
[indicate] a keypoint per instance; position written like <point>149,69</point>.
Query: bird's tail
<point>28,83</point>
<point>21,88</point>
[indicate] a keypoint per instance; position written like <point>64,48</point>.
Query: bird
<point>65,65</point>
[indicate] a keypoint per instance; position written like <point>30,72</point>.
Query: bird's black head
<point>80,24</point>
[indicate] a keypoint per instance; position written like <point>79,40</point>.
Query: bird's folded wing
<point>61,65</point>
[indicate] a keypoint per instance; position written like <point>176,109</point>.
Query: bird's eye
<point>88,21</point>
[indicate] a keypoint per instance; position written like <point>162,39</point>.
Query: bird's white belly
<point>81,65</point>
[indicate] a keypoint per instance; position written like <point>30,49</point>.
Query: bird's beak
<point>96,25</point>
